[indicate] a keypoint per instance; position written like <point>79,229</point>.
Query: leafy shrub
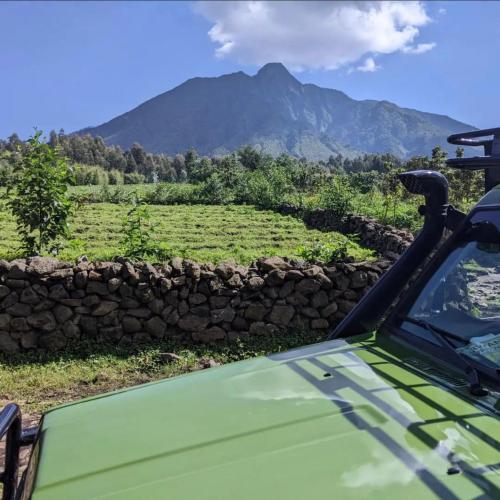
<point>214,191</point>
<point>325,253</point>
<point>140,240</point>
<point>134,178</point>
<point>336,196</point>
<point>86,175</point>
<point>116,177</point>
<point>39,201</point>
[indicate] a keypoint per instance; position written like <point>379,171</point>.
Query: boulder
<point>319,299</point>
<point>319,324</point>
<point>18,309</point>
<point>256,312</point>
<point>209,335</point>
<point>275,277</point>
<point>156,327</point>
<point>5,321</point>
<point>62,313</point>
<point>44,321</point>
<point>7,343</point>
<point>281,315</point>
<point>131,324</point>
<point>255,283</point>
<point>222,315</point>
<point>270,263</point>
<point>104,307</point>
<point>330,309</point>
<point>308,286</point>
<point>4,291</point>
<point>193,323</point>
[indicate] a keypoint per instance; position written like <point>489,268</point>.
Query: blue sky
<point>74,64</point>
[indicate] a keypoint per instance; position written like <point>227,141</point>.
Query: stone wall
<point>46,303</point>
<point>386,240</point>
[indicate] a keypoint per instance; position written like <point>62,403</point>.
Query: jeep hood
<point>337,419</point>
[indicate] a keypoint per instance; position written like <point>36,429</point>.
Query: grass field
<point>39,381</point>
<point>200,232</point>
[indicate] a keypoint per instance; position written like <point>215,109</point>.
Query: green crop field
<point>200,232</point>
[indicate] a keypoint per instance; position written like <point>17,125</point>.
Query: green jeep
<point>402,401</point>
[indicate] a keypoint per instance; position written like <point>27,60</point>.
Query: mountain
<point>275,112</point>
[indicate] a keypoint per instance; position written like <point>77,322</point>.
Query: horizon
<point>75,65</point>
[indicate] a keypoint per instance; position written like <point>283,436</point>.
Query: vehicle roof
<point>492,197</point>
<point>342,418</point>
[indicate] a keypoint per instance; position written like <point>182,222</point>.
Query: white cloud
<point>419,48</point>
<point>442,11</point>
<point>368,66</point>
<point>313,34</point>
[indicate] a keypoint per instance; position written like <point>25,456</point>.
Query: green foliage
<point>87,175</point>
<point>214,191</point>
<point>134,178</point>
<point>336,195</point>
<point>39,200</point>
<point>140,240</point>
<point>336,249</point>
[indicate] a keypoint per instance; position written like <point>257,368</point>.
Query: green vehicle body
<point>358,418</point>
<point>384,412</point>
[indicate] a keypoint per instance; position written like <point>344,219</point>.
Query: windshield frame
<point>426,343</point>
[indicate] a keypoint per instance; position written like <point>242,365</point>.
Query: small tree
<point>39,201</point>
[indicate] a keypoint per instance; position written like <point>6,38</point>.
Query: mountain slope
<point>275,112</point>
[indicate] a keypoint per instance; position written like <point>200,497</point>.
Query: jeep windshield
<point>462,298</point>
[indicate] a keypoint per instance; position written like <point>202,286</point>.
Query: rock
<point>345,305</point>
<point>297,299</point>
<point>177,266</point>
<point>91,300</point>
<point>235,281</point>
<point>17,284</point>
<point>209,335</point>
<point>209,363</point>
<point>9,300</point>
<point>19,325</point>
<point>44,321</point>
<point>7,344</point>
<point>201,310</point>
<point>5,321</point>
<point>225,270</point>
<point>70,330</point>
<point>130,274</point>
<point>4,291</point>
<point>193,323</point>
<point>183,307</point>
<point>62,313</point>
<point>307,286</point>
<point>97,287</point>
<point>340,281</point>
<point>255,283</point>
<point>165,285</point>
<point>219,315</point>
<point>350,294</point>
<point>18,309</point>
<point>129,303</point>
<point>44,305</point>
<point>172,318</point>
<point>294,275</point>
<point>43,266</point>
<point>325,281</point>
<point>80,280</point>
<point>313,271</point>
<point>61,274</point>
<point>58,292</point>
<point>114,284</point>
<point>218,301</point>
<point>272,293</point>
<point>193,269</point>
<point>359,279</point>
<point>196,299</point>
<point>179,281</point>
<point>17,270</point>
<point>52,341</point>
<point>71,302</point>
<point>239,324</point>
<point>111,333</point>
<point>261,328</point>
<point>319,299</point>
<point>281,315</point>
<point>89,325</point>
<point>156,327</point>
<point>94,276</point>
<point>286,289</point>
<point>29,340</point>
<point>319,324</point>
<point>270,263</point>
<point>309,312</point>
<point>256,312</point>
<point>104,307</point>
<point>156,306</point>
<point>131,324</point>
<point>169,357</point>
<point>276,277</point>
<point>329,310</point>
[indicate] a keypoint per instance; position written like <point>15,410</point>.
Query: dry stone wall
<point>46,303</point>
<point>384,239</point>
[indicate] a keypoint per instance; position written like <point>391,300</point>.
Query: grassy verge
<point>200,232</point>
<point>40,381</point>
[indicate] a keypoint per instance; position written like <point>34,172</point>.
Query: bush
<point>214,191</point>
<point>115,177</point>
<point>139,240</point>
<point>86,175</point>
<point>336,196</point>
<point>134,178</point>
<point>325,253</point>
<point>39,200</point>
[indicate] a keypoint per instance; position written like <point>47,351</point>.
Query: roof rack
<point>490,162</point>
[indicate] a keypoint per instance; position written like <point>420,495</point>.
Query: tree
<point>39,200</point>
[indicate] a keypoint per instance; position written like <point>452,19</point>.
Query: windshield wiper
<point>442,337</point>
